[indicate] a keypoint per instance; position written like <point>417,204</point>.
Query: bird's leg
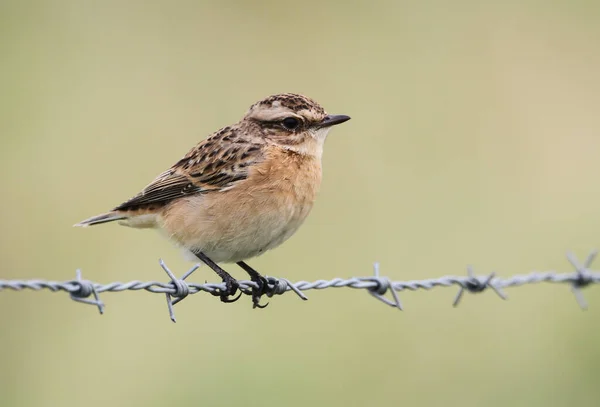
<point>259,280</point>
<point>231,283</point>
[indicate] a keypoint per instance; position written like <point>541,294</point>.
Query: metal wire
<point>176,289</point>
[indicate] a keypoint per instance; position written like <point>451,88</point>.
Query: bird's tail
<point>104,218</point>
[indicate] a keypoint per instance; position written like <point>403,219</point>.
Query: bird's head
<point>294,122</point>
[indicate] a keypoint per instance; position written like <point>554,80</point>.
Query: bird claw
<point>259,291</point>
<point>225,298</point>
<point>231,287</point>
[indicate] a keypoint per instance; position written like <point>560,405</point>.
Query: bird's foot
<point>231,287</point>
<point>231,284</point>
<point>262,284</point>
<point>259,291</point>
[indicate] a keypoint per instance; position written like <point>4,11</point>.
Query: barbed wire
<point>177,289</point>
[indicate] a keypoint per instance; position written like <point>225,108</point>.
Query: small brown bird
<point>242,191</point>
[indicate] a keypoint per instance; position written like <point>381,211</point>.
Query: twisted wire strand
<point>177,289</point>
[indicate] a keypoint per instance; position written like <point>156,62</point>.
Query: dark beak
<point>333,119</point>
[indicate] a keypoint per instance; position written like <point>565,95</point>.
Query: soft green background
<point>474,139</point>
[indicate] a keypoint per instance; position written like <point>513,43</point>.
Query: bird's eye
<point>290,123</point>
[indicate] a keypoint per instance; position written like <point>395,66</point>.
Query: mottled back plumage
<point>213,165</point>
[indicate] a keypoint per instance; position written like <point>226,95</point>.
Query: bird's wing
<point>213,165</point>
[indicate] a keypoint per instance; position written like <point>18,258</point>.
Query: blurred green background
<point>474,139</point>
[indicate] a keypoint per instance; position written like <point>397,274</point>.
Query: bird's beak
<point>333,119</point>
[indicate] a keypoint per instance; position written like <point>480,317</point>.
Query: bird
<point>240,192</point>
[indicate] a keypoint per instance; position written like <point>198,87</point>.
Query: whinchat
<point>242,191</point>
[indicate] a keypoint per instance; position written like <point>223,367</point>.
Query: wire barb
<point>382,285</point>
<point>84,289</point>
<point>279,286</point>
<point>475,285</point>
<point>583,276</point>
<point>181,288</point>
<point>177,288</point>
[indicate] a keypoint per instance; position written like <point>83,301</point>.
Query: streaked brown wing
<point>214,164</point>
<point>163,189</point>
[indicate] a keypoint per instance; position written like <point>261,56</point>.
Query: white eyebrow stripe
<point>273,113</point>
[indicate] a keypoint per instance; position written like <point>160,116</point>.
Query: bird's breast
<point>255,215</point>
